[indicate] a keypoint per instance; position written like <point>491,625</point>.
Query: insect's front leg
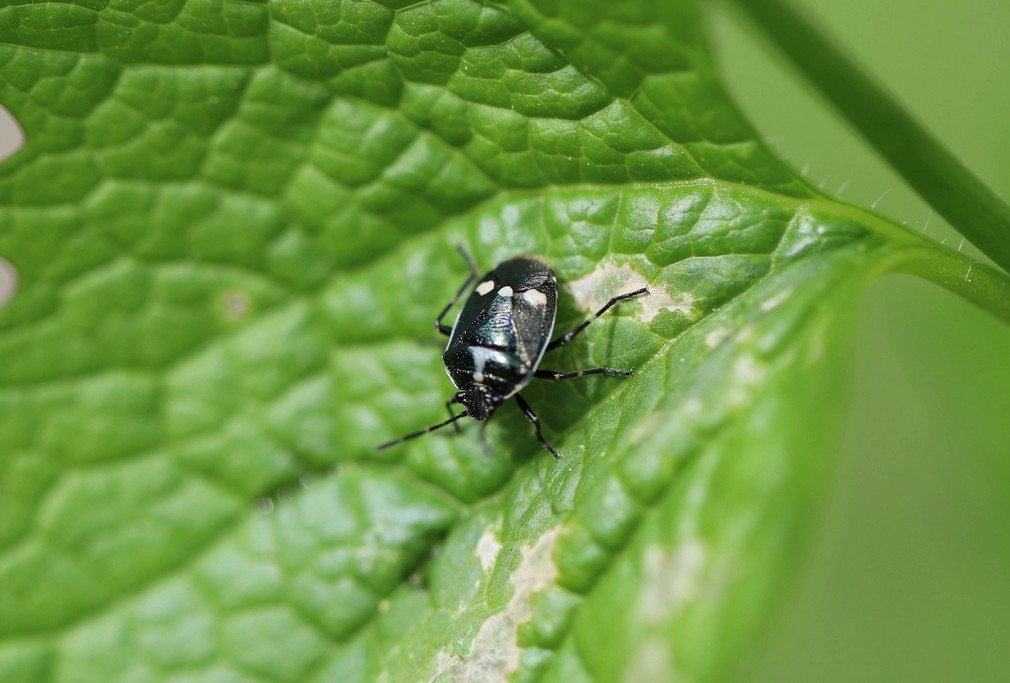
<point>439,325</point>
<point>414,435</point>
<point>456,398</point>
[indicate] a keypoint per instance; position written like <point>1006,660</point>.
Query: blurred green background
<point>909,573</point>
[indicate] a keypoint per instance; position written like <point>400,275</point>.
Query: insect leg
<point>553,374</point>
<point>456,398</point>
<point>445,329</point>
<point>420,433</point>
<point>567,336</point>
<point>532,417</point>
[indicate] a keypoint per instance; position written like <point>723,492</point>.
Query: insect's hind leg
<point>445,329</point>
<point>567,336</point>
<point>532,417</point>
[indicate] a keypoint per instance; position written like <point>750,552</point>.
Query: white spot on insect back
<point>485,287</point>
<point>535,297</point>
<point>495,652</point>
<point>592,291</point>
<point>505,291</point>
<point>481,356</point>
<point>8,281</point>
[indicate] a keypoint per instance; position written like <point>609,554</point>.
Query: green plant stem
<point>952,190</point>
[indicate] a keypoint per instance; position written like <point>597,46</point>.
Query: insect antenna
<point>421,433</point>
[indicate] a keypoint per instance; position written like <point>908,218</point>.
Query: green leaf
<point>231,223</point>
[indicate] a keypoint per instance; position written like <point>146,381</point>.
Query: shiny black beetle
<point>499,337</point>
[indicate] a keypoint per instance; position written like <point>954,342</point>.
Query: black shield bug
<point>498,339</point>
